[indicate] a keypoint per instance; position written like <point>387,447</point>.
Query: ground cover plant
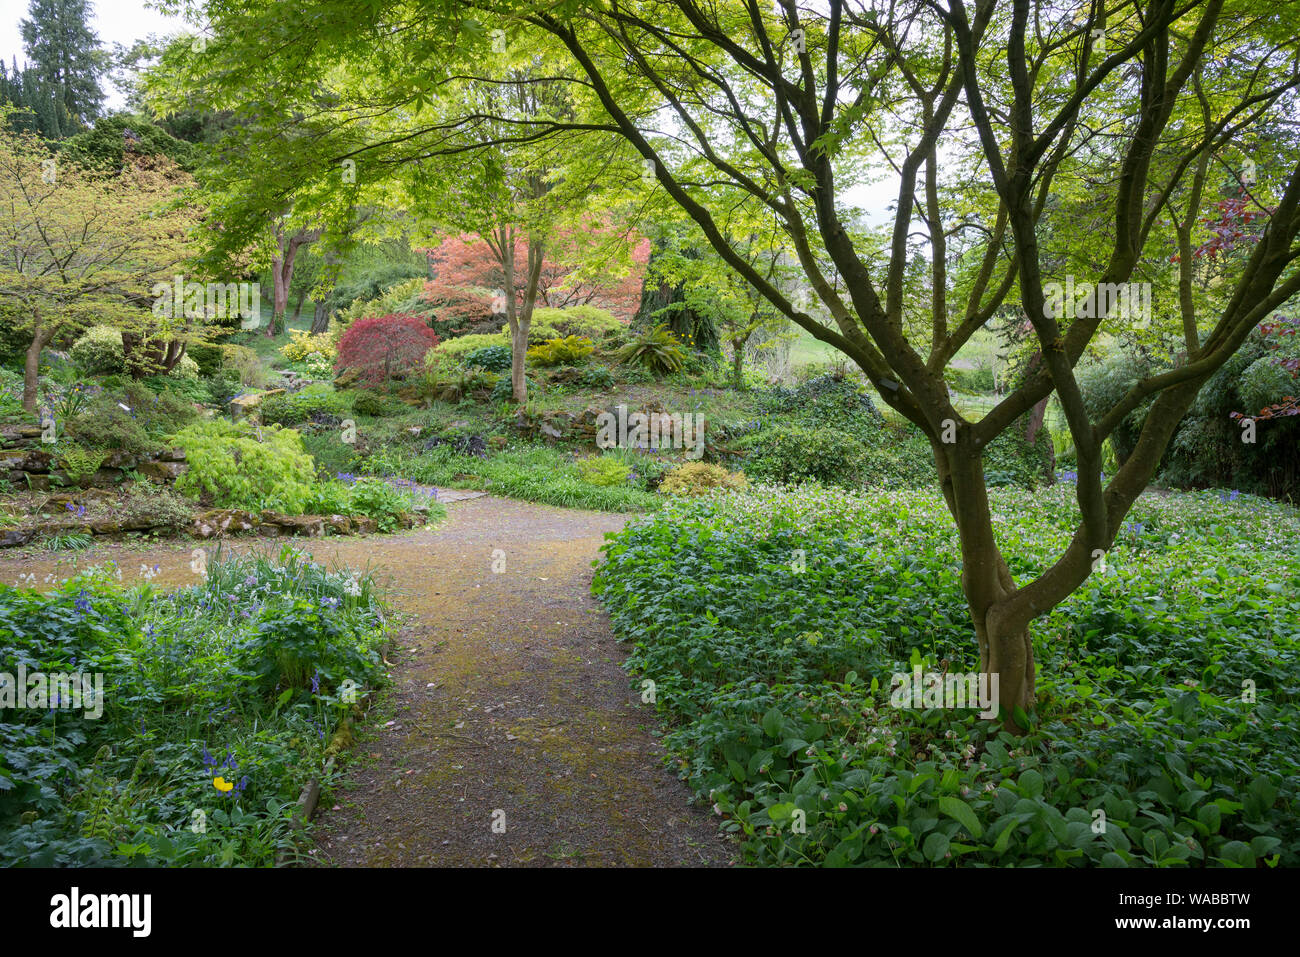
<point>219,702</point>
<point>1168,706</point>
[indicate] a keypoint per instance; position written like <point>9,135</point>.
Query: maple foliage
<point>383,346</point>
<point>469,282</point>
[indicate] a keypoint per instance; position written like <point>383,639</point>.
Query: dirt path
<point>508,704</point>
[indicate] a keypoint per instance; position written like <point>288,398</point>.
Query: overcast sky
<point>116,21</point>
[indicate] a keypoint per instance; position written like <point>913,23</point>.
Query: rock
<point>220,520</point>
<point>547,429</point>
<point>242,405</point>
<point>346,378</point>
<point>14,433</point>
<point>163,471</point>
<point>312,526</point>
<point>118,459</point>
<point>15,536</point>
<point>338,524</point>
<point>25,460</point>
<point>37,483</point>
<point>363,525</point>
<point>171,455</point>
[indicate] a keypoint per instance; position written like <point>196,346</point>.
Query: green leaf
<point>773,722</point>
<point>961,812</point>
<point>935,847</point>
<point>1031,783</point>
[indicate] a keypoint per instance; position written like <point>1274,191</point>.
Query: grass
<point>531,473</point>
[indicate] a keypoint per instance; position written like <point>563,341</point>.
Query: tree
<point>782,106</point>
<point>77,247</point>
<point>467,275</point>
<point>1031,140</point>
<point>66,56</point>
<point>380,347</point>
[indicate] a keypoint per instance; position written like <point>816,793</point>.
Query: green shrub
<point>971,381</point>
<point>492,358</point>
<point>294,408</point>
<point>554,352</point>
<point>207,356</point>
<point>99,351</point>
<point>603,470</point>
<point>1265,382</point>
<point>794,453</point>
<point>596,377</point>
<point>239,465</point>
<point>657,350</point>
<point>376,404</point>
<point>141,428</point>
<point>700,478</point>
<point>588,321</point>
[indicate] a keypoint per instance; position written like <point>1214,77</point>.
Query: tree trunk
<point>518,349</point>
<point>297,309</point>
<point>320,320</point>
<point>31,369</point>
<point>737,364</point>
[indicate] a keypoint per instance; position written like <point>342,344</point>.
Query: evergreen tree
<point>67,58</point>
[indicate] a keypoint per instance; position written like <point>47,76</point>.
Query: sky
<point>116,21</point>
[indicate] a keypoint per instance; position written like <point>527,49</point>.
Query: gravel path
<point>511,735</point>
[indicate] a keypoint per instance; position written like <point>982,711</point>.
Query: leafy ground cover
<point>219,702</point>
<point>1166,732</point>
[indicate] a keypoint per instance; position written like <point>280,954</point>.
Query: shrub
<point>245,365</point>
<point>972,381</point>
<point>138,429</point>
<point>1265,382</point>
<point>385,346</point>
<point>554,352</point>
<point>207,356</point>
<point>603,470</point>
<point>596,377</point>
<point>700,478</point>
<point>588,321</point>
<point>492,358</point>
<point>238,465</point>
<point>313,402</point>
<point>794,453</point>
<point>658,351</point>
<point>99,351</point>
<point>377,405</point>
<point>503,391</point>
<point>303,345</point>
<point>186,368</point>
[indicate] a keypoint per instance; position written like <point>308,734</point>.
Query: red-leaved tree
<point>469,284</point>
<point>384,346</point>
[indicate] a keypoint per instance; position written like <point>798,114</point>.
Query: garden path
<point>507,696</point>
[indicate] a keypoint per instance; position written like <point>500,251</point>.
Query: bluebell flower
<point>329,601</point>
<point>1069,476</point>
<point>315,682</point>
<point>208,759</point>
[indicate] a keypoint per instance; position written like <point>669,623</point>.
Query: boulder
<point>363,525</point>
<point>163,471</point>
<point>338,524</point>
<point>220,520</point>
<point>312,526</point>
<point>242,405</point>
<point>10,537</point>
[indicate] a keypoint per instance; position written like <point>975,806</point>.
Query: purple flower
<point>315,682</point>
<point>208,760</point>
